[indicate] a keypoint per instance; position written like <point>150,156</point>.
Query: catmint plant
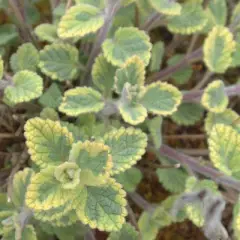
<point>90,89</point>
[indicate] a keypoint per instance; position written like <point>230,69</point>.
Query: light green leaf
<point>161,98</point>
<point>103,74</point>
<point>46,192</point>
<point>21,181</point>
<point>191,19</point>
<point>172,179</point>
<point>127,232</point>
<point>216,13</point>
<point>66,220</point>
<point>6,214</point>
<point>80,20</point>
<point>48,142</point>
<point>27,234</point>
<point>129,179</point>
<point>182,76</point>
<point>127,42</point>
<point>92,156</point>
<point>214,97</point>
<point>1,67</point>
<point>49,113</point>
<point>102,207</point>
<point>188,114</point>
<point>236,220</point>
<point>95,3</point>
<point>144,7</point>
<point>81,100</point>
<point>8,33</point>
<point>127,145</point>
<point>46,32</point>
<point>236,53</point>
<point>166,7</point>
<point>157,56</point>
<point>227,117</point>
<point>133,72</point>
<point>26,86</point>
<point>235,16</point>
<point>224,146</point>
<point>52,97</point>
<point>60,61</point>
<point>155,129</point>
<point>26,58</point>
<point>218,49</point>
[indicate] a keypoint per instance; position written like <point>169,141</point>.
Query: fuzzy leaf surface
<point>157,56</point>
<point>46,32</point>
<point>166,7</point>
<point>155,129</point>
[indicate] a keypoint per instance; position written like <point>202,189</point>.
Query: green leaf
<point>95,3</point>
<point>157,56</point>
<point>81,100</point>
<point>8,33</point>
<point>227,117</point>
<point>127,232</point>
<point>27,234</point>
<point>214,97</point>
<point>46,32</point>
<point>46,192</point>
<point>52,97</point>
<point>6,214</point>
<point>224,147</point>
<point>166,7</point>
<point>191,19</point>
<point>161,98</point>
<point>182,76</point>
<point>218,49</point>
<point>26,86</point>
<point>60,61</point>
<point>48,142</point>
<point>144,7</point>
<point>20,183</point>
<point>93,156</point>
<point>236,53</point>
<point>127,42</point>
<point>102,207</point>
<point>80,20</point>
<point>216,13</point>
<point>129,179</point>
<point>235,16</point>
<point>49,113</point>
<point>188,114</point>
<point>172,179</point>
<point>127,145</point>
<point>26,58</point>
<point>155,129</point>
<point>133,72</point>
<point>236,220</point>
<point>1,67</point>
<point>103,74</point>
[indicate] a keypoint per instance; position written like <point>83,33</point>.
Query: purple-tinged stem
<point>147,26</point>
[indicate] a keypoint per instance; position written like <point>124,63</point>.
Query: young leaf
<point>46,192</point>
<point>52,97</point>
<point>188,114</point>
<point>191,19</point>
<point>157,56</point>
<point>27,234</point>
<point>80,20</point>
<point>81,100</point>
<point>46,32</point>
<point>161,98</point>
<point>93,156</point>
<point>218,49</point>
<point>26,86</point>
<point>48,142</point>
<point>8,33</point>
<point>129,179</point>
<point>26,58</point>
<point>227,117</point>
<point>127,232</point>
<point>214,98</point>
<point>127,145</point>
<point>133,72</point>
<point>103,206</point>
<point>126,43</point>
<point>155,129</point>
<point>224,146</point>
<point>182,76</point>
<point>59,61</point>
<point>166,7</point>
<point>1,68</point>
<point>20,183</point>
<point>103,74</point>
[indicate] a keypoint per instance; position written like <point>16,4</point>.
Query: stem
<point>192,43</point>
<point>110,12</point>
<point>206,171</point>
<point>147,26</point>
<point>165,73</point>
<point>195,96</point>
<point>204,80</point>
<point>89,235</point>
